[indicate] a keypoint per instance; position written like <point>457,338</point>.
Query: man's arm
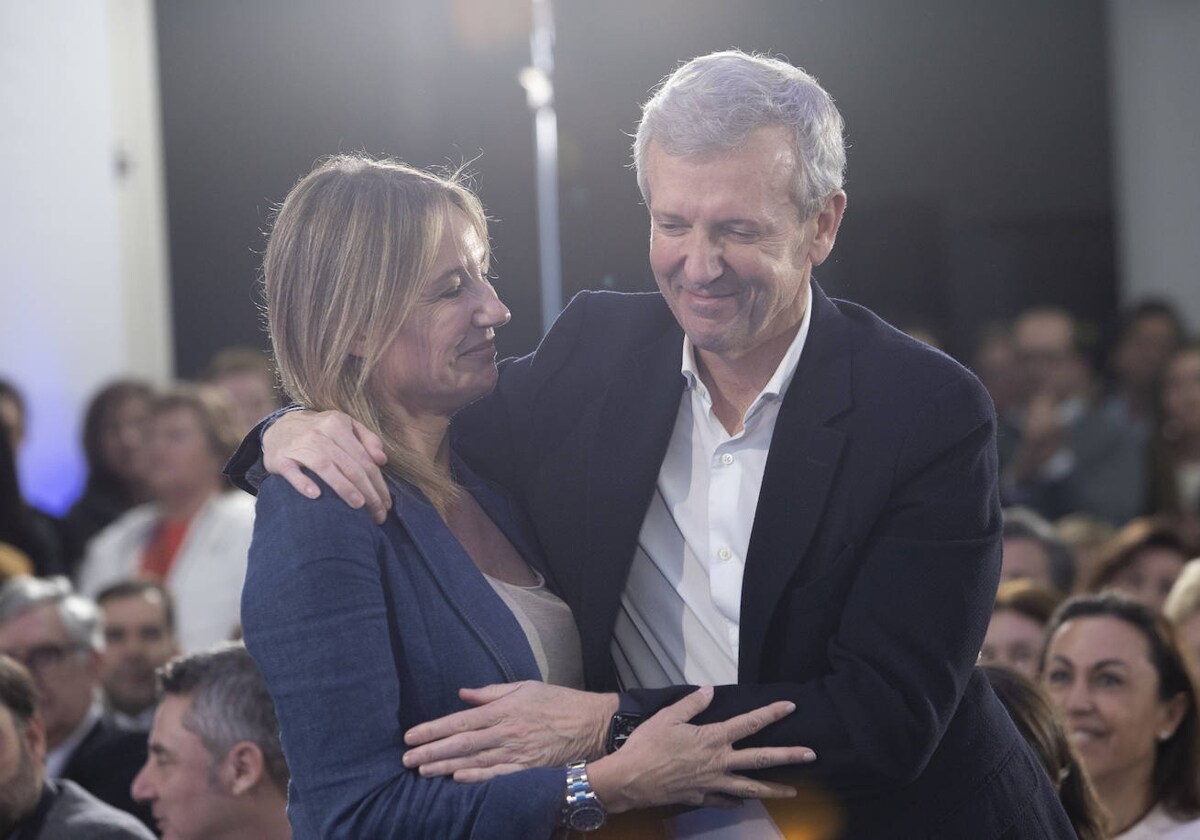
<point>904,647</point>
<point>342,452</point>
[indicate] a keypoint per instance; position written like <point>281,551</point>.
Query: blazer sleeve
<point>317,621</point>
<point>913,617</point>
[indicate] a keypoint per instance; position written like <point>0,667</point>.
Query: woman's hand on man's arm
<point>344,453</point>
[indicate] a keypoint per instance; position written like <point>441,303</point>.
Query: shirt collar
<point>780,380</point>
<point>58,758</point>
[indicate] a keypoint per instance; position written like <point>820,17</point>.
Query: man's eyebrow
<point>159,750</point>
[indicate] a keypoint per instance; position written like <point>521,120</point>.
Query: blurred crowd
<point>124,709</point>
<point>1092,644</point>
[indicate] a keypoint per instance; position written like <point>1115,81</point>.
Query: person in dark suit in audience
<point>56,634</point>
<point>33,807</point>
<point>739,480</point>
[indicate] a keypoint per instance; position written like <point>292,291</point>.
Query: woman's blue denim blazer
<point>363,631</point>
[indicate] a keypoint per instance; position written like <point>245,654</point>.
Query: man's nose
<point>141,789</point>
<point>703,259</point>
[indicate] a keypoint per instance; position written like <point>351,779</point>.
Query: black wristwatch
<point>620,728</point>
<point>582,811</point>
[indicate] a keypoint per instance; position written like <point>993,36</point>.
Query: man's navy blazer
<point>872,564</point>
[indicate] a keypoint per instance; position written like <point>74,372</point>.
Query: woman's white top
<point>1159,825</point>
<point>550,627</point>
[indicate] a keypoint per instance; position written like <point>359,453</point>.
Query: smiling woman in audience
<point>1118,674</point>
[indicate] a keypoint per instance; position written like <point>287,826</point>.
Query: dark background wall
<point>979,164</point>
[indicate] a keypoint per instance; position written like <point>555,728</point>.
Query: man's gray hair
<point>230,703</point>
<point>715,102</point>
<point>80,616</point>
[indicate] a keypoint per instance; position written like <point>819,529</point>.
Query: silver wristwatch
<point>582,811</point>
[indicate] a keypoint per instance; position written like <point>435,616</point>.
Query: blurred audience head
<point>1125,687</point>
<point>247,375</point>
<point>139,636</point>
<point>1051,353</point>
<point>22,745</point>
<point>1032,551</point>
<point>1149,333</point>
<point>1086,536</point>
<point>216,768</point>
<point>1034,715</point>
<point>1017,631</point>
<point>1181,395</point>
<point>57,635</point>
<point>114,438</point>
<point>1183,605</point>
<point>1142,559</point>
<point>193,432</point>
<point>12,414</point>
<point>995,363</point>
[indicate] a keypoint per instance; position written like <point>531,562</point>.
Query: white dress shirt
<point>680,614</point>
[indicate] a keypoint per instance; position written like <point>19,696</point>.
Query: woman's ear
<point>1171,714</point>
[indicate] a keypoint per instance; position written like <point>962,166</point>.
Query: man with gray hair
<point>58,636</point>
<point>33,807</point>
<point>216,770</point>
<point>740,481</point>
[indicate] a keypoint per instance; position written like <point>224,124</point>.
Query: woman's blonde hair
<point>350,252</point>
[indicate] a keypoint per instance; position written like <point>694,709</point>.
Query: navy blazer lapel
<point>465,589</point>
<point>635,422</point>
<point>800,469</point>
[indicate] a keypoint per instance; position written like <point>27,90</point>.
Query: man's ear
<point>243,767</point>
<point>828,221</point>
<point>35,739</point>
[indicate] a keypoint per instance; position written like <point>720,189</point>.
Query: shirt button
<point>724,554</point>
<point>726,459</point>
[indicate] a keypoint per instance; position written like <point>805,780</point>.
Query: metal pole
<point>538,81</point>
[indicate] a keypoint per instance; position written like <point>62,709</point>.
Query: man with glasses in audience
<point>57,635</point>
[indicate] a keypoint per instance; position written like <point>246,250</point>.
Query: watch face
<point>586,816</point>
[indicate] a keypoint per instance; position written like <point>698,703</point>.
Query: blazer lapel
<point>634,427</point>
<point>466,590</point>
<point>800,469</point>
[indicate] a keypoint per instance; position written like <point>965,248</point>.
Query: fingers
<point>295,476</point>
<point>487,693</point>
<point>762,758</point>
<point>443,728</point>
<point>688,706</point>
<point>482,774</point>
<point>750,723</point>
<point>342,452</point>
<point>377,496</point>
<point>741,787</point>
